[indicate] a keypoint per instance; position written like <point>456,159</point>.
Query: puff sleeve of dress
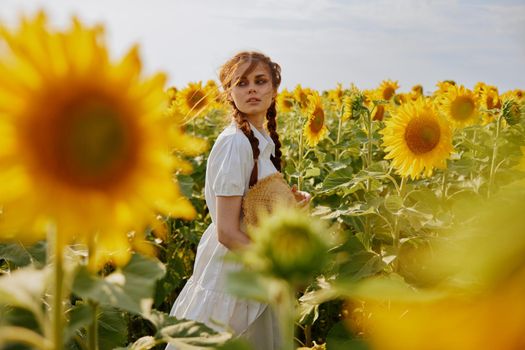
<point>230,165</point>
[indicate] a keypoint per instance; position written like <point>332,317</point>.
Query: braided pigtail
<point>244,125</point>
<point>271,125</point>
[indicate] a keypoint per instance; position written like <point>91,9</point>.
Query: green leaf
<point>19,317</point>
<point>392,287</point>
<point>186,334</point>
<point>235,344</point>
<point>312,172</point>
<point>112,328</point>
<point>23,288</point>
<point>20,255</point>
<point>186,184</point>
<point>360,265</point>
<point>339,338</point>
<point>130,289</point>
<point>249,285</point>
<point>80,315</point>
<point>393,203</point>
<point>147,342</point>
<point>339,178</point>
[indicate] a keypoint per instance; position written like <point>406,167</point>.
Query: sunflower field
<point>414,238</point>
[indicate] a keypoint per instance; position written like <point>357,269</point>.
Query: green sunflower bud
<point>512,112</point>
<point>289,245</point>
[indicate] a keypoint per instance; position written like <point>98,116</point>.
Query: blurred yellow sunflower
<point>444,85</point>
<point>387,89</point>
<point>85,145</point>
<point>336,96</point>
<point>417,139</point>
<point>348,102</point>
<point>460,107</point>
<point>416,92</point>
<point>285,100</point>
<point>195,100</point>
<point>315,128</point>
<point>517,94</point>
<point>375,104</point>
<point>172,94</point>
<point>489,101</point>
<point>302,95</point>
<point>488,96</point>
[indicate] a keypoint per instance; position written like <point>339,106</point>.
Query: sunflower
<point>460,106</point>
<point>285,100</point>
<point>315,128</point>
<point>488,96</point>
<point>387,89</point>
<point>196,100</point>
<point>517,95</point>
<point>302,96</point>
<point>416,92</point>
<point>417,139</point>
<point>376,105</point>
<point>172,94</point>
<point>348,107</point>
<point>288,245</point>
<point>336,96</point>
<point>85,145</point>
<point>489,101</point>
<point>443,87</point>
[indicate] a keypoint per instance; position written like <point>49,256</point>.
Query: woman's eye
<point>241,83</point>
<point>261,81</point>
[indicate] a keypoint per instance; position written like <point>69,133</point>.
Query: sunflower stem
<point>56,252</point>
<point>339,126</point>
<point>369,144</point>
<point>285,306</point>
<point>308,335</point>
<point>444,186</point>
<point>396,236</point>
<point>300,167</point>
<point>93,328</point>
<point>492,173</point>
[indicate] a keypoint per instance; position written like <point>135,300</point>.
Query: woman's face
<point>252,93</point>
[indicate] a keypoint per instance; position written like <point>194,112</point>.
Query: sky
<point>318,43</point>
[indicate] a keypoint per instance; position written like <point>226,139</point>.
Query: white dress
<point>204,298</point>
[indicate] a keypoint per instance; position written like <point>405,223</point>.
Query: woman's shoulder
<point>232,139</point>
<point>232,135</point>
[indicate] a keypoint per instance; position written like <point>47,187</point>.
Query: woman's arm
<point>228,222</point>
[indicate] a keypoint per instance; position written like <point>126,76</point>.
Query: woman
<point>245,152</point>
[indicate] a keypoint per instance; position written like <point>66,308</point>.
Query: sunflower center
<point>422,135</point>
<point>86,144</point>
<point>388,92</point>
<point>493,102</point>
<point>317,121</point>
<point>379,113</point>
<point>196,100</point>
<point>462,108</point>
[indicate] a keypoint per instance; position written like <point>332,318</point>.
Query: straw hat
<point>266,194</point>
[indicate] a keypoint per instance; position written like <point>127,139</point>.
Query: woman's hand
<point>302,198</point>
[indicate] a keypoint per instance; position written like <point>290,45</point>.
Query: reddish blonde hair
<point>226,76</point>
